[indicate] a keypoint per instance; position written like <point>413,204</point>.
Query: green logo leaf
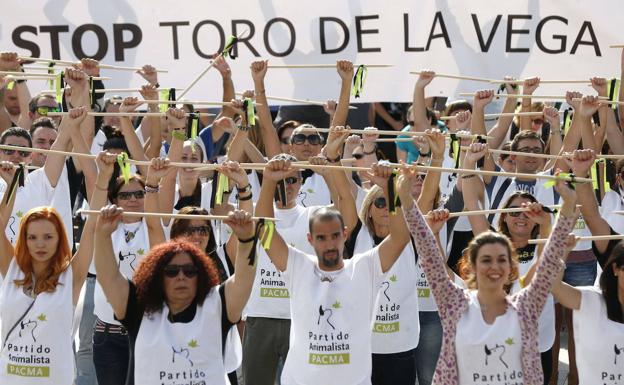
<point>19,214</point>
<point>393,278</point>
<point>140,251</point>
<point>336,305</point>
<point>193,344</point>
<point>42,317</point>
<point>509,341</point>
<point>311,191</point>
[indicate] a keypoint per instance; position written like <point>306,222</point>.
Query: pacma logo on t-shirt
<point>496,367</point>
<point>329,345</point>
<point>615,376</point>
<point>182,360</point>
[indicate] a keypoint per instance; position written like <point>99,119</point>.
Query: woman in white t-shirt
<point>176,313</point>
<point>490,336</point>
<point>598,316</point>
<point>42,283</point>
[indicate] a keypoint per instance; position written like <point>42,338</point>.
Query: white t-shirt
<point>488,354</point>
<point>37,350</point>
<point>270,296</point>
<point>332,314</point>
<point>613,202</point>
<point>314,192</point>
<point>599,341</point>
<point>128,256</point>
<point>182,353</point>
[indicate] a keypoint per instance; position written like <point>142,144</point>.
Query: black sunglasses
<point>313,139</point>
<point>126,195</point>
<point>23,154</point>
<point>380,202</point>
<point>172,271</point>
<point>357,156</point>
<point>199,230</point>
<point>291,180</point>
<point>515,214</point>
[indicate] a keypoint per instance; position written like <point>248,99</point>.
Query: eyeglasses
<point>421,175</point>
<point>23,154</point>
<point>357,156</point>
<point>380,202</point>
<point>43,110</point>
<point>198,230</point>
<point>291,180</point>
<point>172,271</point>
<point>515,214</point>
<point>126,195</point>
<point>531,150</point>
<point>313,139</point>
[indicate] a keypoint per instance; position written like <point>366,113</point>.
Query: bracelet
<point>468,176</point>
<point>157,85</point>
<point>370,152</point>
<point>178,135</point>
<point>334,160</point>
<point>151,189</point>
<point>243,128</point>
<point>426,155</point>
<point>247,240</point>
<point>245,198</point>
<point>244,189</point>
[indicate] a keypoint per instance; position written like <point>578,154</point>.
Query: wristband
<point>427,155</point>
<point>244,189</point>
<point>20,81</point>
<point>334,160</point>
<point>157,85</point>
<point>178,135</point>
<point>243,128</point>
<point>151,189</point>
<point>370,152</point>
<point>245,198</point>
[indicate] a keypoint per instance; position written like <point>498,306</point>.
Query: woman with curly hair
<point>41,287</point>
<point>176,312</point>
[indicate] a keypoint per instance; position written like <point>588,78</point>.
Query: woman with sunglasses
<point>489,335</point>
<point>519,228</point>
<point>176,312</point>
<point>42,284</point>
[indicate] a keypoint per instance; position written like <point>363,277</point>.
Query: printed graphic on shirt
<point>423,286</point>
<point>272,284</point>
<point>329,344</point>
<point>303,195</point>
<point>26,357</point>
<point>182,363</point>
<point>495,359</point>
<point>617,350</point>
<point>613,374</point>
<point>130,257</point>
<point>387,319</point>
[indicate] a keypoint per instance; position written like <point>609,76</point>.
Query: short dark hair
<point>117,184</point>
<point>325,214</point>
<point>506,147</point>
<point>290,124</point>
<point>42,122</point>
<point>526,134</point>
<point>458,105</point>
<point>16,131</point>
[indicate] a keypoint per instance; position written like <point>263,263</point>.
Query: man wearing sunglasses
<point>40,105</point>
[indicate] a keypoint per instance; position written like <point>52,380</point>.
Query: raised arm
<point>477,127</point>
<point>345,70</point>
<point>269,133</point>
<point>238,287</point>
<point>499,131</point>
<point>221,65</point>
<point>238,176</point>
<point>431,184</point>
<point>473,189</point>
<point>7,171</point>
<point>177,125</point>
<point>392,246</point>
<point>419,108</point>
<point>82,258</point>
<point>150,125</point>
<point>114,284</point>
<point>70,125</point>
<point>157,170</point>
<point>528,87</point>
<point>621,93</point>
<point>274,171</point>
<point>135,147</point>
<point>566,295</point>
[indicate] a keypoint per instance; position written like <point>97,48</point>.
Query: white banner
<point>558,39</point>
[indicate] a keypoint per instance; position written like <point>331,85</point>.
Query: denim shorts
<point>580,273</point>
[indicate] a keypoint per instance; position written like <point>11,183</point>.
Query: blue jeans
<point>111,356</point>
<point>84,356</point>
<point>580,273</point>
<point>429,346</point>
<point>394,368</point>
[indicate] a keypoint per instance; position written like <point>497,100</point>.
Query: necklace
<point>130,234</point>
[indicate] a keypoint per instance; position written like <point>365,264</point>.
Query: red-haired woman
<point>176,313</point>
<point>41,286</point>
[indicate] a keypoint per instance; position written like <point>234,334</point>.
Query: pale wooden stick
<point>70,63</point>
<point>529,154</point>
<point>188,88</point>
<point>198,102</point>
<point>519,81</point>
<point>383,140</point>
<point>33,77</point>
<point>617,46</point>
<point>460,77</point>
<point>502,114</point>
<point>113,90</point>
<point>386,132</point>
<point>495,211</point>
<point>25,74</point>
<point>621,156</point>
<point>588,238</point>
<point>302,101</point>
<point>173,216</point>
<point>325,65</point>
<point>90,113</point>
<point>555,97</point>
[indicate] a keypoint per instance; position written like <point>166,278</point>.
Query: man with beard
<point>331,300</point>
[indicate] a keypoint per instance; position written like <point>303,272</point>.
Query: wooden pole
<point>495,211</point>
<point>460,77</point>
<point>70,63</point>
<point>90,113</point>
<point>173,216</point>
<point>301,66</point>
<point>588,238</point>
<point>302,101</point>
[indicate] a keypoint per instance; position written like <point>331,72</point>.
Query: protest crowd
<point>152,240</point>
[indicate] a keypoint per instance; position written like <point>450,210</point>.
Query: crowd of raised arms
<point>243,247</point>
